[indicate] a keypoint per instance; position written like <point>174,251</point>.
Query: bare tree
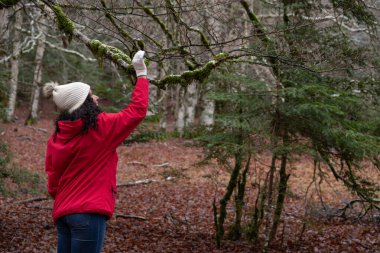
<point>14,62</point>
<point>41,44</point>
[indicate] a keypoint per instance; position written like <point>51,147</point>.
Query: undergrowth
<point>15,181</point>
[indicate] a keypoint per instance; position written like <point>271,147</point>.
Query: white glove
<point>138,63</point>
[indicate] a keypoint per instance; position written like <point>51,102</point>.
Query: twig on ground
<point>38,129</point>
<point>41,207</point>
<point>138,163</point>
<point>31,200</point>
<point>137,182</point>
<point>127,216</point>
<point>161,165</point>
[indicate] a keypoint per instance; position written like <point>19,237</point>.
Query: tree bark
<point>282,187</point>
<point>4,20</point>
<point>207,116</point>
<point>191,103</point>
<point>14,67</point>
<point>181,111</point>
<point>37,74</point>
<point>224,201</point>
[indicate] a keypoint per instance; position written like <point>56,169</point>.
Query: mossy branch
<point>260,30</point>
<point>187,77</point>
<point>64,23</point>
<point>198,74</point>
<point>99,49</point>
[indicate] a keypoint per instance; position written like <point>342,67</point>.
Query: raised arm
<point>118,126</point>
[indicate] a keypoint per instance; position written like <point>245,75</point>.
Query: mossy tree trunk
<point>235,232</point>
<point>227,196</point>
<point>258,213</point>
<point>282,187</point>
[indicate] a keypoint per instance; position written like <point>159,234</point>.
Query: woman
<point>81,159</point>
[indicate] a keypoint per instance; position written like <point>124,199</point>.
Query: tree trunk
<point>268,208</point>
<point>153,98</point>
<point>4,21</point>
<point>191,103</point>
<point>37,74</point>
<point>207,115</point>
<point>163,110</point>
<point>236,230</point>
<point>181,110</point>
<point>280,200</point>
<point>258,213</point>
<point>14,67</point>
<point>224,201</point>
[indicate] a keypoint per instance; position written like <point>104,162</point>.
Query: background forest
<point>270,104</point>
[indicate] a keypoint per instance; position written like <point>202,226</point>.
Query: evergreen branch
<point>357,9</point>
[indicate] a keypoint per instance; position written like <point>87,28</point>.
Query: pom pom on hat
<point>67,97</point>
<point>49,88</point>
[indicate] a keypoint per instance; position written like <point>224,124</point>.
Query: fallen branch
<point>41,207</point>
<point>125,216</point>
<point>38,129</point>
<point>137,163</point>
<point>31,200</point>
<point>161,165</point>
<point>137,182</point>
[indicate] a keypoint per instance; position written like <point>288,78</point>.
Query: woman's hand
<point>139,65</point>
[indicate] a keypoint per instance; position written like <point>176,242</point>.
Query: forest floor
<point>175,208</point>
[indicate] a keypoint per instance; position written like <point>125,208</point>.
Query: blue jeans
<point>82,232</point>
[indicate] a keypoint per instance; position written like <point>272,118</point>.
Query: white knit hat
<point>67,97</point>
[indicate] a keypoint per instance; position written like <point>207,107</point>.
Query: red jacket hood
<point>69,129</point>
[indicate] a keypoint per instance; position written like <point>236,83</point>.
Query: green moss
<point>220,56</point>
<point>172,79</point>
<point>64,23</point>
<point>190,65</point>
<point>187,75</point>
<point>204,39</point>
<point>141,44</point>
<point>203,73</point>
<point>101,51</point>
<point>185,79</point>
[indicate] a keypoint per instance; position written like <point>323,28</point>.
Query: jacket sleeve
<point>53,175</point>
<point>119,126</point>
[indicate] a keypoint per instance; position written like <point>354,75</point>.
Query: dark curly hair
<point>88,112</point>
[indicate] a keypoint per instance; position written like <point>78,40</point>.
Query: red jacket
<point>81,168</point>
